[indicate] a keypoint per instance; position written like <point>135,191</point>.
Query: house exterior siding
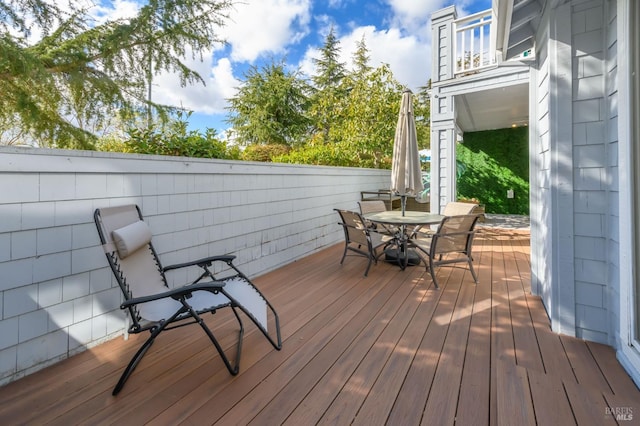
<point>553,164</point>
<point>540,176</point>
<point>626,15</point>
<point>588,235</point>
<point>572,236</point>
<point>582,166</point>
<point>612,141</point>
<point>591,169</point>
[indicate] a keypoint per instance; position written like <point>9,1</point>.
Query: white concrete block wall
<point>57,294</point>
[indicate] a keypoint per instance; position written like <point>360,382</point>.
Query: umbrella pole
<point>403,203</point>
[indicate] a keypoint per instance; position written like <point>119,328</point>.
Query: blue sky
<point>396,32</point>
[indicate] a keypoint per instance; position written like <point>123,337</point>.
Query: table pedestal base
<point>398,257</point>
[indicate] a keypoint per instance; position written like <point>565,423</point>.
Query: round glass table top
<point>395,217</point>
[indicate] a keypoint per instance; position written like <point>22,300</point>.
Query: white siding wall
<point>572,174</point>
<point>613,199</point>
<point>57,295</point>
<point>540,174</point>
<point>623,91</point>
<point>443,136</point>
<point>591,170</point>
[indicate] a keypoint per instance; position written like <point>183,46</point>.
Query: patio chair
<point>153,306</point>
<point>450,244</point>
<point>359,239</point>
<point>456,208</point>
<point>452,208</point>
<point>376,206</point>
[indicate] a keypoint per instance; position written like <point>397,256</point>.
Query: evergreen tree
<point>369,114</point>
<point>329,70</point>
<point>55,61</point>
<point>361,58</point>
<point>422,111</point>
<point>363,121</point>
<point>270,107</point>
<point>327,89</point>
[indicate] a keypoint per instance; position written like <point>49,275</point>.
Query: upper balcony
<point>488,38</point>
<point>481,65</point>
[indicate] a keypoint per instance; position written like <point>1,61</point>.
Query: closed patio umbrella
<point>406,175</point>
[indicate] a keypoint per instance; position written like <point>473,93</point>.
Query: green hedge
<point>494,162</point>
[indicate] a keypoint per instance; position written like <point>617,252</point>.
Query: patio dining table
<point>401,252</point>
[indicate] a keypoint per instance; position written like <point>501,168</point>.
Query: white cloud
<point>408,56</point>
<point>119,9</point>
<point>421,9</point>
<point>210,99</point>
<point>255,29</point>
<point>262,27</point>
<point>413,15</point>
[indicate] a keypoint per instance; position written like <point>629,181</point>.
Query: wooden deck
<point>386,349</point>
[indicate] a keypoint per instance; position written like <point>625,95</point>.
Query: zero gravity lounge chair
<point>153,306</point>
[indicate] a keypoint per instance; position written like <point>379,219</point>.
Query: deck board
<point>474,399</point>
<point>383,394</point>
<point>366,340</point>
<point>412,397</point>
<point>550,401</point>
<point>514,404</point>
<point>502,344</point>
<point>443,397</point>
<point>384,349</point>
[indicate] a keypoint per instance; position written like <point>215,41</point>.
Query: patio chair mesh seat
<point>376,206</point>
<point>359,239</point>
<point>452,243</point>
<point>456,208</point>
<point>153,306</point>
<point>452,208</point>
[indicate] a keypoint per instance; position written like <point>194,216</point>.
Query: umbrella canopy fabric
<point>406,175</point>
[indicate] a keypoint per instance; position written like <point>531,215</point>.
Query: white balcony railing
<point>474,42</point>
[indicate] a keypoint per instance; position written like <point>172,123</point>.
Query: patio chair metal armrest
<point>175,293</point>
<point>207,261</point>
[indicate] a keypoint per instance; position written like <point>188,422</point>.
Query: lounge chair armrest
<point>174,293</point>
<point>207,261</point>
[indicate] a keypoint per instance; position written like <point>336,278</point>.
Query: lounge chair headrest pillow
<point>130,238</point>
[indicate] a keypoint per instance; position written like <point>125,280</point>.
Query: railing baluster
<point>472,50</point>
<point>481,61</point>
<point>479,55</point>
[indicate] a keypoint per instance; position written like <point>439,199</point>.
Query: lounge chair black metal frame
<point>214,293</point>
